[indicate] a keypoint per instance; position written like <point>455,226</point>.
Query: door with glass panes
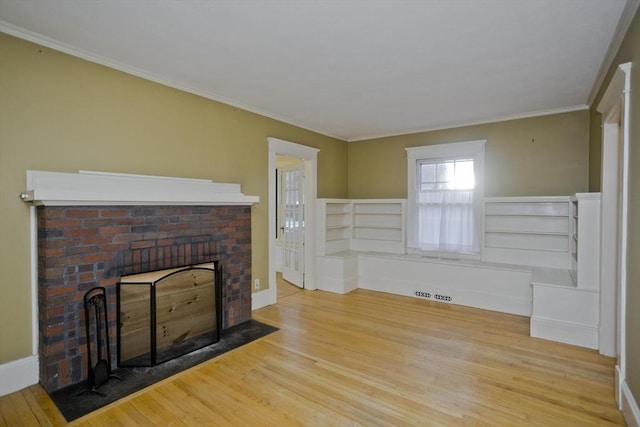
<point>293,227</point>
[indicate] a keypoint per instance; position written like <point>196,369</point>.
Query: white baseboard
<point>262,299</point>
<point>338,274</point>
<point>338,286</point>
<point>629,406</point>
<point>19,374</point>
<point>449,294</point>
<point>566,332</point>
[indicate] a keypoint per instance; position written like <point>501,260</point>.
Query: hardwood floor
<point>369,359</point>
<point>285,288</point>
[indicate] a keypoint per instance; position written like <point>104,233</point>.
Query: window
<point>445,198</point>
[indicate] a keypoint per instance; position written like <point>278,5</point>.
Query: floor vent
<point>437,297</point>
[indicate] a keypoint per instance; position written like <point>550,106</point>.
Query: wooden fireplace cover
<point>160,310</point>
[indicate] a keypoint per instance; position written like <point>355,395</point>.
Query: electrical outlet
<point>256,284</point>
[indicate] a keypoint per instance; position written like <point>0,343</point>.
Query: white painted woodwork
<point>279,147</point>
<point>552,243</point>
<point>546,206</point>
<point>526,224</point>
<point>566,302</point>
<point>610,239</point>
<point>346,225</point>
<point>379,226</point>
<point>561,311</point>
<point>527,257</point>
<point>278,257</point>
<point>334,226</point>
<point>585,254</point>
<point>261,299</point>
<point>531,231</point>
<point>471,149</point>
<point>100,188</point>
<point>293,231</point>
<point>615,109</point>
<point>628,404</point>
<point>567,305</point>
<point>18,374</point>
<point>478,284</point>
<point>526,268</point>
<point>376,225</point>
<point>338,272</point>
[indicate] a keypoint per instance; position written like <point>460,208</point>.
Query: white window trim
<point>456,149</point>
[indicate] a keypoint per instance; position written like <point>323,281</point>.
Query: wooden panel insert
<point>184,310</point>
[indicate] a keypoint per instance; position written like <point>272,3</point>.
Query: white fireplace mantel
<point>87,188</point>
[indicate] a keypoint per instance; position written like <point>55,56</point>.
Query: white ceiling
<point>352,69</point>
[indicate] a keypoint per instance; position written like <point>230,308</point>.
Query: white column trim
<point>614,107</point>
<point>33,249</point>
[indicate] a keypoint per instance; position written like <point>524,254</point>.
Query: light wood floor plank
<point>10,414</point>
<point>369,359</point>
<point>43,409</point>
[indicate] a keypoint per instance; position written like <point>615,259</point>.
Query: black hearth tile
<point>76,401</point>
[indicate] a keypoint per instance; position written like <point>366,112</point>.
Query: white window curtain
<point>444,216</point>
<point>446,221</point>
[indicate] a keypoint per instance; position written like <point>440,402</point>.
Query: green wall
<point>61,113</point>
<point>629,51</point>
<point>540,156</point>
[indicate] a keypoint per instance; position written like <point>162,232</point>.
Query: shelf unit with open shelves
<point>528,231</point>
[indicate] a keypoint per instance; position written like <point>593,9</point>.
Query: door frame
<point>614,108</point>
<point>310,157</point>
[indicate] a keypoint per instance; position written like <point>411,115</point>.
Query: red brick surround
<point>83,247</point>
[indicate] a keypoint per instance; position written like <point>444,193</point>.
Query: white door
<point>293,232</point>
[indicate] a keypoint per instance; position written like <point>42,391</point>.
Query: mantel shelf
<point>87,188</point>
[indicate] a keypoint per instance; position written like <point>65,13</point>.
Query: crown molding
<point>454,125</point>
<point>48,42</point>
<point>628,13</point>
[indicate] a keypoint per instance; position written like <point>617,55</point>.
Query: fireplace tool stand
<point>95,300</point>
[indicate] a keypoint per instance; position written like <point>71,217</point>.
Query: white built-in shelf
<point>566,302</point>
<point>376,225</point>
<point>348,227</point>
<point>527,230</point>
<point>555,277</point>
<point>334,226</point>
<point>537,232</point>
<point>585,240</point>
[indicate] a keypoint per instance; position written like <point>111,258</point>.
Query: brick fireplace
<point>83,246</point>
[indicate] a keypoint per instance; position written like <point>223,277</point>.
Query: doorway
<point>305,252</point>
